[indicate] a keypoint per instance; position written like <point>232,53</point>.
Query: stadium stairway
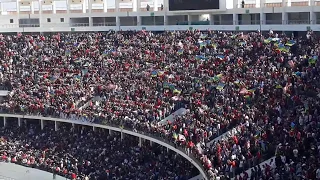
<point>270,162</point>
<point>228,134</point>
<point>172,117</point>
<point>92,100</point>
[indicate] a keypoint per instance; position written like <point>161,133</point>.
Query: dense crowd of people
<point>81,153</point>
<point>263,87</point>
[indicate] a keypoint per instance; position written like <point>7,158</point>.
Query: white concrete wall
<point>58,28</point>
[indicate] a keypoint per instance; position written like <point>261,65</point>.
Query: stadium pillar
<point>313,15</point>
<point>117,6</point>
<point>165,20</point>
<point>122,135</point>
<point>56,125</point>
<point>263,17</point>
<point>19,122</point>
<point>110,132</point>
<point>118,22</point>
<point>150,143</point>
<point>32,7</point>
<point>18,7</point>
<point>139,20</point>
<point>54,9</point>
<point>140,141</point>
<point>90,21</point>
<point>105,6</point>
<point>284,13</point>
<point>68,6</point>
<point>235,16</point>
<point>189,19</point>
<point>4,121</point>
<point>235,19</point>
<point>93,128</point>
<point>42,124</point>
<point>89,7</point>
<point>155,5</point>
<point>84,8</point>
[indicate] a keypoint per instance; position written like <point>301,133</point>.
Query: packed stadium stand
<point>161,90</point>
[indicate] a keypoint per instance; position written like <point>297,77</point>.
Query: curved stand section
<point>158,141</point>
<point>11,171</point>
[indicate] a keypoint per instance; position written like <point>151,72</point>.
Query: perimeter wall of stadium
<point>54,29</point>
<point>142,136</point>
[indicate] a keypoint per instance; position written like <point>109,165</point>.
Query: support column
<point>4,121</point>
<point>19,122</point>
<point>40,7</point>
<point>56,125</point>
<point>263,18</point>
<point>313,15</point>
<point>155,5</point>
<point>18,7</point>
<point>284,17</point>
<point>68,6</point>
<point>118,21</point>
<point>105,6</point>
<point>32,7</point>
<point>168,150</point>
<point>54,8</point>
<point>40,12</point>
<point>84,8</point>
<point>42,124</point>
<point>138,5</point>
<point>211,19</point>
<point>139,20</point>
<point>93,128</point>
<point>262,14</point>
<point>189,19</point>
<point>235,19</point>
<point>110,132</point>
<point>135,5</point>
<point>165,20</point>
<point>151,143</point>
<point>284,13</point>
<point>140,141</point>
<point>90,6</point>
<point>90,21</point>
<point>122,135</point>
<point>117,9</point>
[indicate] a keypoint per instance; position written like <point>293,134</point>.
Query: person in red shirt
<point>73,176</point>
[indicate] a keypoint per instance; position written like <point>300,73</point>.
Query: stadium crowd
<point>81,153</point>
<point>265,88</point>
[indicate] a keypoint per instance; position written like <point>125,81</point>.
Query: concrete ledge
<point>11,171</point>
